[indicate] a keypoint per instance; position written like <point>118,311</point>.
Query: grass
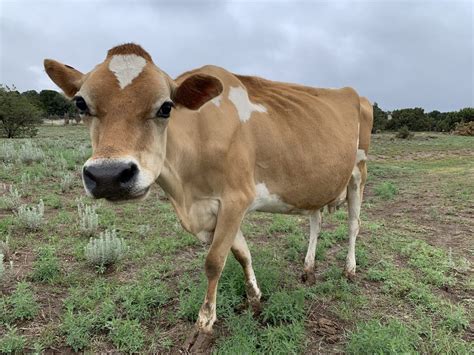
<point>412,255</point>
<point>373,337</point>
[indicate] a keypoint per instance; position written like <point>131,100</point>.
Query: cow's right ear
<point>64,76</point>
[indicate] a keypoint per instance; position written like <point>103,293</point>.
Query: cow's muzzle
<point>112,180</point>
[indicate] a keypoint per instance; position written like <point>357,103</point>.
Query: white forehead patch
<point>240,98</point>
<point>126,67</point>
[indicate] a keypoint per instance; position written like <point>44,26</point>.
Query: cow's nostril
<point>128,174</point>
<point>88,174</point>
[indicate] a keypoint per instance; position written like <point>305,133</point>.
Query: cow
<point>220,145</point>
<point>354,199</point>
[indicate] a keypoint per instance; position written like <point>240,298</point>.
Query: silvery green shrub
<point>7,153</point>
<point>2,269</point>
<point>88,219</point>
<point>67,180</point>
<point>143,230</point>
<point>31,217</point>
<point>106,250</point>
<point>5,248</point>
<point>11,199</point>
<point>30,153</point>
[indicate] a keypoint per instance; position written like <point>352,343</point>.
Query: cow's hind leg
<point>314,229</point>
<point>242,254</point>
<point>354,199</point>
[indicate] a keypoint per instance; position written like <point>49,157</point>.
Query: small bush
<point>7,153</point>
<point>137,301</point>
<point>455,319</point>
<point>88,219</point>
<point>12,342</point>
<point>127,335</point>
<point>386,190</point>
<point>46,268</point>
<point>30,153</point>
<point>2,270</point>
<point>284,307</point>
<point>404,133</point>
<point>5,249</point>
<point>11,199</point>
<point>78,329</point>
<point>31,217</point>
<point>464,129</point>
<point>375,338</point>
<point>283,339</point>
<point>23,303</point>
<point>106,250</point>
<point>144,230</point>
<point>67,179</point>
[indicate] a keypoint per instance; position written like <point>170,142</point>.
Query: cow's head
<point>127,102</point>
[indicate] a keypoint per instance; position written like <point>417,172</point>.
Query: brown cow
<point>220,145</point>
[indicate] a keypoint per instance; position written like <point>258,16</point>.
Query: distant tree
<point>380,119</point>
<point>18,116</point>
<point>33,97</point>
<point>414,118</point>
<point>55,104</point>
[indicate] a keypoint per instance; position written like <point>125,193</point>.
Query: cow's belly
<point>272,203</point>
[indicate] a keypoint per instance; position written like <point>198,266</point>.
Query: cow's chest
<point>199,218</point>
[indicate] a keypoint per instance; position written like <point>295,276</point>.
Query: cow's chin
<point>136,197</point>
<point>124,198</point>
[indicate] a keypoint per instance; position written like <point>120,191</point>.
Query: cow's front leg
<point>229,219</point>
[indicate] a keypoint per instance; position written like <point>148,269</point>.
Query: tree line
<point>416,119</point>
<point>21,112</point>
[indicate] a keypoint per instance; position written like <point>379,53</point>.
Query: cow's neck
<point>170,179</point>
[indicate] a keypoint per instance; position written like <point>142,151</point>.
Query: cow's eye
<point>165,109</point>
<point>81,105</point>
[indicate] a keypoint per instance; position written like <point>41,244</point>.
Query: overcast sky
<point>397,53</point>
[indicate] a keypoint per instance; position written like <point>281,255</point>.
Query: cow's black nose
<point>110,180</point>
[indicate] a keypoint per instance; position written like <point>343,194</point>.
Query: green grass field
<point>413,292</point>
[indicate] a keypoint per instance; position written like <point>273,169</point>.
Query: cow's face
<point>127,102</point>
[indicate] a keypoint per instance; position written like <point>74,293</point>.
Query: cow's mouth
<point>129,197</point>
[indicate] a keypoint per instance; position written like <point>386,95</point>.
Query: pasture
<point>413,291</point>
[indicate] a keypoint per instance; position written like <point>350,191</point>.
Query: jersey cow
<point>220,145</point>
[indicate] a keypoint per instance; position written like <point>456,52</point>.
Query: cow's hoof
<point>255,306</point>
<point>198,342</point>
<point>308,278</point>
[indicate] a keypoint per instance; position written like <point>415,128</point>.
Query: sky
<point>410,53</point>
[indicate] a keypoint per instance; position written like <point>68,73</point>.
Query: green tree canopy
<point>55,104</point>
<point>18,116</point>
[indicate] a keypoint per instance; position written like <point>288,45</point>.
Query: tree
<point>55,104</point>
<point>414,118</point>
<point>380,119</point>
<point>18,116</point>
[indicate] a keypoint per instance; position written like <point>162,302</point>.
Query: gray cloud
<point>398,53</point>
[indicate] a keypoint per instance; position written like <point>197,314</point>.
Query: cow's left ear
<point>196,90</point>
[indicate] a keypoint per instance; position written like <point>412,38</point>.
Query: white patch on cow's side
<point>361,156</point>
<point>267,202</point>
<point>240,98</point>
<point>126,67</point>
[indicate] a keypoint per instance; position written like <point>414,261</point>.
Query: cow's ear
<point>64,76</point>
<point>196,90</point>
